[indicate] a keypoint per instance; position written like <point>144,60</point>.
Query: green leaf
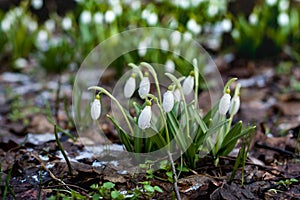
<point>124,137</point>
<point>115,194</point>
<point>149,188</point>
<point>158,189</point>
<point>108,185</point>
<point>231,138</point>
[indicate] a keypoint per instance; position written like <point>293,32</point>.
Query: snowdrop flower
<point>168,100</point>
<point>142,48</point>
<point>50,25</point>
<point>224,103</point>
<point>85,17</point>
<point>212,10</point>
<point>98,18</point>
<point>170,66</point>
<point>152,20</point>
<point>144,85</point>
<point>284,5</point>
<point>31,24</point>
<point>66,23</point>
<point>173,24</point>
<point>117,9</point>
<point>130,85</point>
<point>175,38</point>
<point>109,16</point>
<point>145,116</point>
<point>6,24</point>
<point>177,96</point>
<point>42,36</point>
<point>164,44</point>
<point>253,19</point>
<point>283,19</point>
<point>193,26</point>
<point>135,5</point>
<point>187,36</point>
<point>37,4</point>
<point>271,2</point>
<point>226,25</point>
<point>96,108</point>
<point>234,105</point>
<point>188,84</point>
<point>21,63</point>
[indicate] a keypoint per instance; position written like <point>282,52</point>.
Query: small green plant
<point>106,191</point>
<point>20,41</point>
<point>177,119</point>
<point>287,182</point>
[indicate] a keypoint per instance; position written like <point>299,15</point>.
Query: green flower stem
<point>116,101</point>
<point>162,114</point>
<point>136,69</point>
<point>228,84</point>
<point>178,85</point>
<point>152,71</point>
<point>196,70</point>
<point>236,93</point>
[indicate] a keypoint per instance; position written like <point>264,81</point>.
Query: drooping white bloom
<point>117,9</point>
<point>109,16</point>
<point>145,117</point>
<point>21,63</point>
<point>135,5</point>
<point>86,17</point>
<point>187,36</point>
<point>168,101</point>
<point>212,10</point>
<point>37,4</point>
<point>96,108</point>
<point>66,23</point>
<point>170,66</point>
<point>193,26</point>
<point>152,19</point>
<point>283,19</point>
<point>188,85</point>
<point>164,44</point>
<point>175,38</point>
<point>284,5</point>
<point>226,25</point>
<point>253,19</point>
<point>144,86</point>
<point>129,86</point>
<point>224,104</point>
<point>177,96</point>
<point>98,18</point>
<point>142,48</point>
<point>271,2</point>
<point>50,25</point>
<point>31,24</point>
<point>6,24</point>
<point>42,36</point>
<point>234,105</point>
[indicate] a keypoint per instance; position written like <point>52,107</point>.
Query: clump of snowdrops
<point>178,119</point>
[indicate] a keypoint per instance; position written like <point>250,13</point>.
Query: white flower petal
<point>95,109</point>
<point>144,87</point>
<point>129,87</point>
<point>234,105</point>
<point>224,104</point>
<point>145,118</point>
<point>177,96</point>
<point>170,66</point>
<point>168,101</point>
<point>85,17</point>
<point>188,85</point>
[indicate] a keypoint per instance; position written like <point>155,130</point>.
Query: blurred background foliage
<point>57,35</point>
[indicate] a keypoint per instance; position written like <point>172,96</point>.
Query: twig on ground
<point>174,177</point>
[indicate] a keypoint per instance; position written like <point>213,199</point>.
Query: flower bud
<point>188,84</point>
<point>96,108</point>
<point>177,96</point>
<point>144,86</point>
<point>129,86</point>
<point>234,105</point>
<point>145,117</point>
<point>168,101</point>
<point>224,104</point>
